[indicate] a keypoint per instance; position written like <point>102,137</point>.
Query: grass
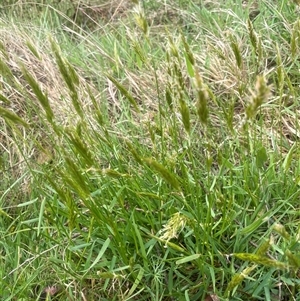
<point>153,155</point>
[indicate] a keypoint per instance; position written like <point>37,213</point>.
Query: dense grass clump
<point>150,155</point>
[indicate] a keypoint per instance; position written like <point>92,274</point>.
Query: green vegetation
<point>150,151</point>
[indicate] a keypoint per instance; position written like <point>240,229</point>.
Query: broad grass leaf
<point>252,227</point>
<point>188,259</point>
<point>137,281</point>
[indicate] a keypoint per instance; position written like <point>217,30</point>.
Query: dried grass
<point>23,102</point>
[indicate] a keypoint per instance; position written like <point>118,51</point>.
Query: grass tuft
<point>149,151</point>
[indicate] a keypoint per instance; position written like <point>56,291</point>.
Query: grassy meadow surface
<point>150,150</point>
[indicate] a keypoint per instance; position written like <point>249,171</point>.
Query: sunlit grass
<point>155,158</point>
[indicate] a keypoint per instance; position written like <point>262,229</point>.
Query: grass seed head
<point>202,99</point>
<point>174,226</point>
<point>261,95</point>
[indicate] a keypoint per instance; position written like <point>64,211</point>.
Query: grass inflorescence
<point>151,152</point>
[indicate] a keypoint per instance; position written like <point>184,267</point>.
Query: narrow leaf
<point>100,255</point>
<point>288,159</point>
<point>188,259</point>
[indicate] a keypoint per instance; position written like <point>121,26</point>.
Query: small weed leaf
<point>166,174</point>
<point>263,260</point>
